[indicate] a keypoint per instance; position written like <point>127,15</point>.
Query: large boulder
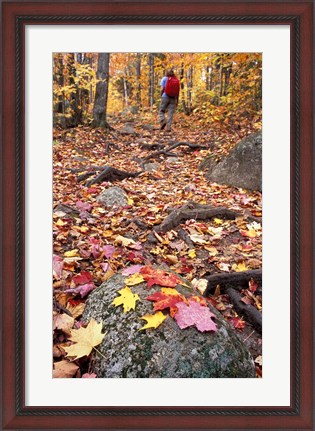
<point>113,197</point>
<point>242,167</point>
<point>167,351</point>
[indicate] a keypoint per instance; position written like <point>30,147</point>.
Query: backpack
<point>172,86</point>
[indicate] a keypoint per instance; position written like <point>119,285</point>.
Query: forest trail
<point>194,249</point>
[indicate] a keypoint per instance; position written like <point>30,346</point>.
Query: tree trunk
<point>126,101</point>
<point>59,78</point>
<point>101,93</point>
<point>138,77</point>
<point>151,79</point>
<point>76,112</point>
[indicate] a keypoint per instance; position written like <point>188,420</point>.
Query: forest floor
<point>83,229</point>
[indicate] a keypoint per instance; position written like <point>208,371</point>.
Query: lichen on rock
<point>165,352</point>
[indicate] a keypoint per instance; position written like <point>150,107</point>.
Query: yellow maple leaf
<point>124,241</point>
<point>192,253</point>
<point>239,267</point>
<point>127,299</point>
<point>217,221</point>
<point>82,229</point>
<point>71,253</point>
<point>153,320</point>
<point>134,279</point>
<point>59,222</point>
<point>169,291</point>
<point>85,339</point>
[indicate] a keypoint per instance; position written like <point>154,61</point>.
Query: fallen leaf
<point>223,266</point>
<point>245,247</point>
<point>173,259</point>
<point>153,320</point>
<point>83,289</point>
<point>133,269</point>
<point>258,360</point>
<point>71,260</point>
<point>195,314</point>
<point>253,286</point>
<point>199,299</point>
<point>239,267</point>
<point>159,277</point>
<point>238,322</point>
<point>134,279</point>
<point>127,299</point>
<point>64,370</point>
<point>248,233</point>
<point>57,266</point>
<point>83,206</point>
<point>59,222</point>
<point>71,253</point>
<point>254,225</point>
<point>63,322</point>
<point>109,250</point>
<point>76,310</point>
<point>126,242</point>
<point>166,298</point>
<point>83,278</point>
<point>200,284</point>
<point>199,239</point>
<point>192,253</point>
<point>212,251</point>
<point>89,376</point>
<point>85,339</point>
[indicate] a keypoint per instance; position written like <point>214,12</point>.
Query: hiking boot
<point>163,124</point>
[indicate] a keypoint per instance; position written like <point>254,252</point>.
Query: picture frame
<point>15,16</point>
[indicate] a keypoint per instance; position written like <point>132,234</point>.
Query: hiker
<point>169,98</point>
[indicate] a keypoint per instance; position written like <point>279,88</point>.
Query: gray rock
<point>127,130</point>
<point>150,167</point>
<point>171,160</point>
<point>241,168</point>
<point>114,196</point>
<point>167,351</point>
<point>131,110</point>
<point>147,127</point>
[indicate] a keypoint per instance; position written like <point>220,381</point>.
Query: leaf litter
<point>100,243</point>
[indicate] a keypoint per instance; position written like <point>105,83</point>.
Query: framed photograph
<point>238,69</point>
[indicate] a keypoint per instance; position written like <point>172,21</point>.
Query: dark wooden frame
<point>15,15</point>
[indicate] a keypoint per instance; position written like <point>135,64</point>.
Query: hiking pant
<point>168,104</point>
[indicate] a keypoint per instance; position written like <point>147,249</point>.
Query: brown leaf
<point>64,370</point>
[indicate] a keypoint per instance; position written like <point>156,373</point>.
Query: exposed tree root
<point>182,234</point>
<point>237,280</point>
<point>152,147</point>
<point>108,145</point>
<point>192,210</point>
<point>195,211</point>
<point>251,313</point>
<point>166,151</point>
<point>109,174</point>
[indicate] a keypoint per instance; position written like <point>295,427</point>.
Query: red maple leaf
<point>160,277</point>
<point>82,278</point>
<point>238,323</point>
<point>165,299</point>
